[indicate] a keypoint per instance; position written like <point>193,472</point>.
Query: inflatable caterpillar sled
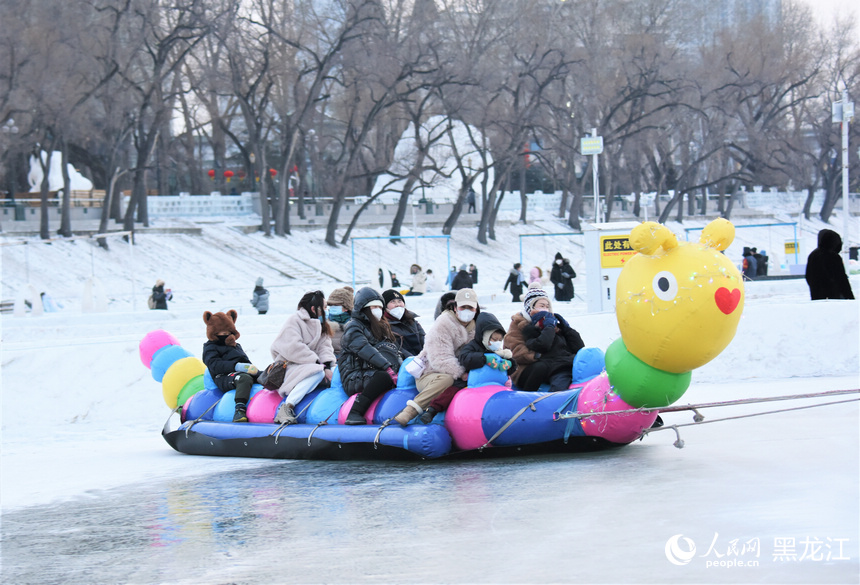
<point>678,307</point>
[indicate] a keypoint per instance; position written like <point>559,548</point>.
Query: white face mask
<point>495,345</point>
<point>397,312</point>
<point>465,315</point>
<point>559,262</point>
<point>376,312</point>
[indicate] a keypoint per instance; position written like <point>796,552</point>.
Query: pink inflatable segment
<point>344,410</point>
<point>597,396</point>
<point>263,407</point>
<point>463,417</point>
<point>152,342</point>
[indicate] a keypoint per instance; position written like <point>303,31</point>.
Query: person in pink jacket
<point>304,343</point>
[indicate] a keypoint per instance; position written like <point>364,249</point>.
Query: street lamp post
<point>843,111</point>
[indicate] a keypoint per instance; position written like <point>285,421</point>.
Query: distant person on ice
<point>516,280</point>
<point>419,281</point>
<point>825,272</point>
<point>260,297</point>
<point>160,296</point>
<point>462,279</point>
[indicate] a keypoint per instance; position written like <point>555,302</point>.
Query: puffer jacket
<point>825,271</point>
<point>409,333</point>
<point>221,360</point>
<point>359,358</point>
<point>445,338</point>
<point>260,299</point>
<point>529,344</point>
<point>303,346</point>
<point>473,354</point>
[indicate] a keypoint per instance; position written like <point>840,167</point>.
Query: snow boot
<point>407,414</point>
<point>286,415</point>
<point>428,415</point>
<point>356,413</point>
<point>239,415</point>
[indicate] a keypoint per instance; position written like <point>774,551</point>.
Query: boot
<point>428,415</point>
<point>286,415</point>
<point>356,413</point>
<point>407,414</point>
<point>240,415</point>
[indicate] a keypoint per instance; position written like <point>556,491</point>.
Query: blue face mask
<point>321,318</point>
<point>335,310</point>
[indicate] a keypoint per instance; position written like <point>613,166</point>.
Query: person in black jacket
<point>407,331</point>
<point>462,279</point>
<point>543,343</point>
<point>484,350</point>
<point>229,365</point>
<point>160,296</point>
<point>825,271</point>
<point>562,276</point>
<point>516,280</point>
<point>369,360</point>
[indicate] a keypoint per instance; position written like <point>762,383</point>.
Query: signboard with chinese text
<point>615,251</point>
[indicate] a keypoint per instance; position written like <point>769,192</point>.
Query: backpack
<point>150,302</point>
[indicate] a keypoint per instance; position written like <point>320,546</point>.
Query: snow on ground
<point>80,413</point>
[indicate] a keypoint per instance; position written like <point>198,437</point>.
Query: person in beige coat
<point>453,329</point>
<point>340,304</point>
<point>304,343</point>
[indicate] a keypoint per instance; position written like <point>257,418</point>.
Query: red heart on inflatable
<point>727,300</point>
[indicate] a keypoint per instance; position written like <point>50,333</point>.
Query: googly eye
<point>665,285</point>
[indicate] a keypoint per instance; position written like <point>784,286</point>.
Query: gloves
<point>505,365</point>
<point>247,368</point>
<point>505,353</point>
<point>550,321</point>
<point>494,361</point>
<point>391,374</point>
<point>559,285</point>
<point>540,315</point>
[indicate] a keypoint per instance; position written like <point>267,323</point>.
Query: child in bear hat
<point>227,362</point>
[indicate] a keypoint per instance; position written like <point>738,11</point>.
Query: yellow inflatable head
<point>679,303</point>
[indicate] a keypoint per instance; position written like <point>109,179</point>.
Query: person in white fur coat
<point>304,343</point>
<point>452,330</point>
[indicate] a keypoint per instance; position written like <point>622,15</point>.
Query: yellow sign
<point>790,247</point>
<point>615,251</point>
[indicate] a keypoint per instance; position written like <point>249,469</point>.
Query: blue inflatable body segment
<point>164,358</point>
<point>201,402</point>
<point>208,382</point>
<point>486,376</point>
<point>326,405</point>
<point>429,441</point>
<point>392,402</point>
<point>301,413</point>
<point>225,409</point>
<point>405,380</point>
<point>588,364</point>
<point>530,427</point>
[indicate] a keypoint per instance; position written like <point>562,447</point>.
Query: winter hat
<point>464,267</point>
<point>159,282</point>
<point>221,323</point>
<point>531,298</point>
<point>466,297</point>
<point>342,297</point>
<point>259,281</point>
<point>558,256</point>
<point>391,295</point>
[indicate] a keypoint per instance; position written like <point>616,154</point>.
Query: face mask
<point>397,312</point>
<point>376,312</point>
<point>559,262</point>
<point>335,310</point>
<point>321,318</point>
<point>495,345</point>
<point>465,315</point>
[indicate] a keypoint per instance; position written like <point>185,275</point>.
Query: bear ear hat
<point>233,314</point>
<point>206,316</point>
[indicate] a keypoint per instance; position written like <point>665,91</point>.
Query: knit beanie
<point>259,281</point>
<point>558,256</point>
<point>342,297</point>
<point>391,295</point>
<point>464,267</point>
<point>532,296</point>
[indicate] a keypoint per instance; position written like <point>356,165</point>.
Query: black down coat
<point>409,333</point>
<point>221,360</point>
<point>825,272</point>
<point>473,355</point>
<point>362,354</point>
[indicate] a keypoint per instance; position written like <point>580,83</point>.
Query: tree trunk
<point>65,211</point>
<point>807,205</point>
<point>524,199</point>
<point>44,231</point>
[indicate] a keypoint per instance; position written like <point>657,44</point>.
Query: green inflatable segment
<point>641,385</point>
<point>192,387</point>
